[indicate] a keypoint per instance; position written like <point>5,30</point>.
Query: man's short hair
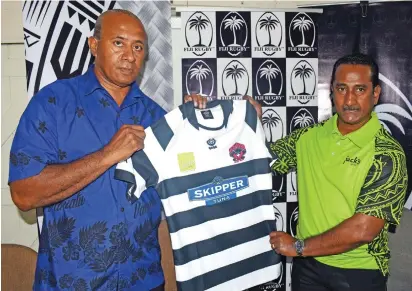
<point>98,26</point>
<point>358,59</point>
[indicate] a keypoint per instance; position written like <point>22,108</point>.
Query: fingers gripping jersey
<point>215,184</point>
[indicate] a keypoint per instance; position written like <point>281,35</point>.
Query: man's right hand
<point>128,140</point>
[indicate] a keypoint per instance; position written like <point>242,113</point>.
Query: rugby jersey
<point>211,170</point>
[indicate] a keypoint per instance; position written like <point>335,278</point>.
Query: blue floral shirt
<point>95,239</point>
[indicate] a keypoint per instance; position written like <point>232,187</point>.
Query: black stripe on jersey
<point>251,116</point>
<point>230,272</point>
<point>222,242</point>
<point>144,168</point>
<point>162,132</point>
<point>203,214</point>
<point>179,185</point>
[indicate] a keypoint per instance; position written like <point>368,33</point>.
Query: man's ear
<point>376,94</point>
<point>93,44</point>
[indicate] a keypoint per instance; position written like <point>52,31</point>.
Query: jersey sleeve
<point>283,152</point>
<point>138,171</point>
<point>384,190</point>
<point>35,144</point>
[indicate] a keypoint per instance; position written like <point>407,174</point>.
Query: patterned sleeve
<point>35,141</point>
<point>384,190</point>
<point>283,152</point>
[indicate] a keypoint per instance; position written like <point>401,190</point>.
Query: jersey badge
<point>237,152</point>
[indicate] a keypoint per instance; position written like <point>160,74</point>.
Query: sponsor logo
<point>272,125</point>
<point>269,82</point>
<point>354,161</point>
<point>219,190</point>
<point>302,43</point>
<point>198,34</point>
<point>293,222</point>
<point>203,74</point>
<point>235,79</point>
<point>237,152</point>
<point>301,119</point>
<point>186,161</point>
<point>211,143</point>
<point>303,82</point>
<point>268,34</point>
<point>233,34</point>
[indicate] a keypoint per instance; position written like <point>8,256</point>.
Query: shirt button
<point>122,209</point>
<point>338,143</point>
<point>333,154</point>
<point>118,115</point>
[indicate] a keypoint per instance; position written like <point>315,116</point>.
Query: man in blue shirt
<point>67,145</point>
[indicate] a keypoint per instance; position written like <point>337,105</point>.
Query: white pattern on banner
<point>271,56</point>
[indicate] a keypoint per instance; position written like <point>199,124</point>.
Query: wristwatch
<point>299,245</point>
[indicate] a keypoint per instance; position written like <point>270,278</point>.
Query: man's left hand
<point>283,243</point>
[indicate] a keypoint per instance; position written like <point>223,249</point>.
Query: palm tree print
<point>198,23</point>
<point>269,24</point>
<point>135,119</point>
<point>104,102</point>
<point>235,72</point>
<point>302,120</point>
<point>270,121</point>
<point>79,112</point>
<point>269,73</point>
<point>233,24</point>
<point>302,24</point>
<point>52,100</point>
<point>303,72</point>
<point>200,73</point>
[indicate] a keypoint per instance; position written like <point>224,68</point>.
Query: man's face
<point>353,93</point>
<point>120,52</point>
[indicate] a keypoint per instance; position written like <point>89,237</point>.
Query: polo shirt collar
<point>90,83</point>
<point>360,137</point>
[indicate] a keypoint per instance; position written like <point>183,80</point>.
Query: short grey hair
<point>98,25</point>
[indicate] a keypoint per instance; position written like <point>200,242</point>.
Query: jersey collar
<point>188,111</point>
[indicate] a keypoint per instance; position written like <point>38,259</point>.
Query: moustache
<point>350,108</point>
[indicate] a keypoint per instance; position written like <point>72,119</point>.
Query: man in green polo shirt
<point>352,181</point>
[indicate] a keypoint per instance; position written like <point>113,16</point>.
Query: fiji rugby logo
<point>386,112</point>
<point>303,82</point>
<point>198,34</point>
<point>219,190</point>
<point>302,43</point>
<point>272,125</point>
<point>233,34</point>
<point>235,79</point>
<point>269,82</point>
<point>237,152</point>
<point>278,219</point>
<point>277,188</point>
<point>268,34</point>
<point>293,222</point>
<point>302,118</point>
<point>200,71</point>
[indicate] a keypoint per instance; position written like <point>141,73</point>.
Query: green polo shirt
<point>338,176</point>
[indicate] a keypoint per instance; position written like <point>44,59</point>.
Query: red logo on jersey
<point>237,152</point>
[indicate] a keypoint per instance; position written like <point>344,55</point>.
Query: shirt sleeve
<point>138,171</point>
<point>384,190</point>
<point>35,142</point>
<point>283,152</point>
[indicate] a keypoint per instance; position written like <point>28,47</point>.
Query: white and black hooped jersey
<point>211,170</point>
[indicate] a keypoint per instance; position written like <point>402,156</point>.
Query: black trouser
<point>159,288</point>
<point>310,275</point>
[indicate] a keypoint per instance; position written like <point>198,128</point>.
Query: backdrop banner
<point>383,31</point>
<point>269,55</point>
<point>56,32</point>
